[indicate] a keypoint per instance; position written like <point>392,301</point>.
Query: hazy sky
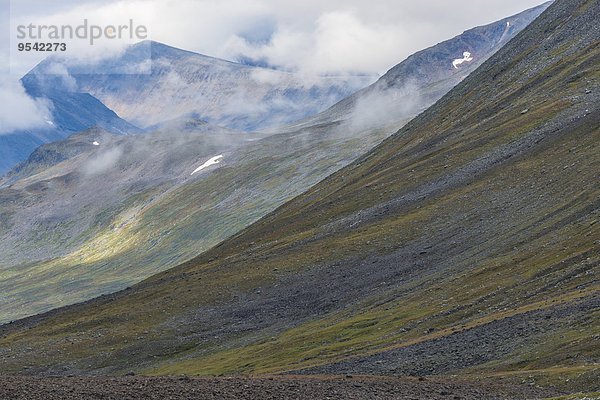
<point>310,36</point>
<point>322,36</point>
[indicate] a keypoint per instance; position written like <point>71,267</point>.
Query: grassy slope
<point>490,211</point>
<point>163,226</point>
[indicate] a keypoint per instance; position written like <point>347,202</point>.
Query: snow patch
<point>96,143</point>
<point>212,161</point>
<point>466,58</point>
<point>50,123</point>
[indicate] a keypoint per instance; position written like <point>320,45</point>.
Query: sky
<point>332,37</point>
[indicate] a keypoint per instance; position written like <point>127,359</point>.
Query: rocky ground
<point>447,354</point>
<point>292,387</point>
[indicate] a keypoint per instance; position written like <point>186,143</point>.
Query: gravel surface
<point>322,387</point>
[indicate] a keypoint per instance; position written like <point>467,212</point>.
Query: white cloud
<point>334,36</point>
<point>376,109</point>
<point>19,111</point>
<point>340,42</point>
<point>103,162</point>
<point>59,69</point>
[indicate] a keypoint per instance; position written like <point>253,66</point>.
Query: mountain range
<point>136,83</point>
<point>81,220</point>
<point>465,244</point>
<point>124,94</point>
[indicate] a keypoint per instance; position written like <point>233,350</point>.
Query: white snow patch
<point>212,161</point>
<point>466,58</point>
<point>96,143</point>
<point>50,123</point>
<point>508,24</point>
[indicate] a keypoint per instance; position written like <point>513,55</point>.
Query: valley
<point>446,247</point>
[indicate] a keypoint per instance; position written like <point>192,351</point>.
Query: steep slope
<point>223,93</point>
<point>466,242</point>
<point>62,243</point>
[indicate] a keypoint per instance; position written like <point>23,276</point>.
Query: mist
<point>378,108</point>
<point>19,111</point>
<point>103,162</point>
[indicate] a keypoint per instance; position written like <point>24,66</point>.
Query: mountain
<point>424,77</point>
<point>466,243</point>
<point>221,92</point>
<point>71,112</point>
<point>66,232</point>
<point>136,83</point>
<point>72,201</point>
<point>218,91</point>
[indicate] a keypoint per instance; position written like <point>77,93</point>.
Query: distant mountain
<point>138,82</point>
<point>220,92</point>
<point>61,222</point>
<point>243,97</point>
<point>425,76</point>
<point>71,112</point>
<point>464,244</point>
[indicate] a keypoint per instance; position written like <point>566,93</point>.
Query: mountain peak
<point>155,50</point>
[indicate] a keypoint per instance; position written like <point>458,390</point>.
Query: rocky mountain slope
<point>263,388</point>
<point>465,243</point>
<point>68,235</point>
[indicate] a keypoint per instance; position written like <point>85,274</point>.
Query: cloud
<point>59,70</point>
<point>313,36</point>
<point>103,162</point>
<point>383,106</point>
<point>19,111</point>
<point>340,42</point>
<point>332,37</point>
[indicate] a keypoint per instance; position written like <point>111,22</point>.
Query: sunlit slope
<point>467,242</point>
<point>68,236</point>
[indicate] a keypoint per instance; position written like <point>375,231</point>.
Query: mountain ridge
<point>434,65</point>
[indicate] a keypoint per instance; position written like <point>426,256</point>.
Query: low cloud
<point>382,107</point>
<point>314,36</point>
<point>103,162</point>
<point>59,70</point>
<point>19,111</point>
<point>340,42</point>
